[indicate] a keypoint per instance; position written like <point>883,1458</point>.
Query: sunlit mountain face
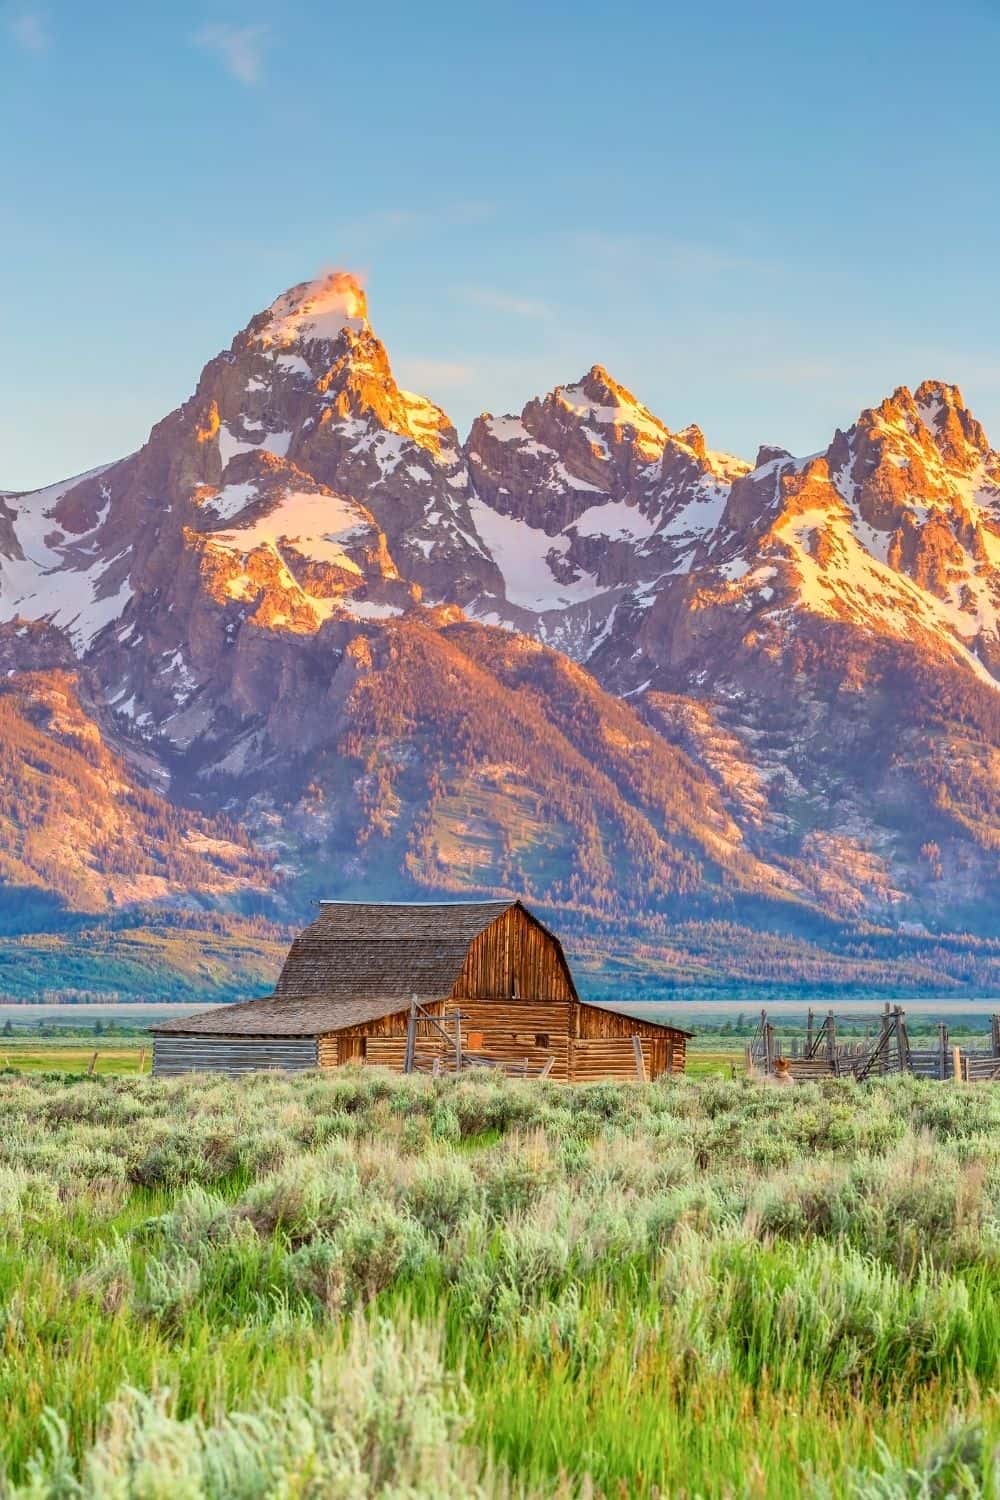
<point>308,641</point>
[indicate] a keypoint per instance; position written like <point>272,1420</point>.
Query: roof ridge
<point>485,901</point>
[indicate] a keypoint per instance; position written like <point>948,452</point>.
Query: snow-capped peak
<point>314,310</point>
<point>599,399</point>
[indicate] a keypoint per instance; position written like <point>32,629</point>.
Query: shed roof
<point>627,1015</point>
<point>314,1016</point>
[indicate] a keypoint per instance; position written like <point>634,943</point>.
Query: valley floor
<point>355,1285</point>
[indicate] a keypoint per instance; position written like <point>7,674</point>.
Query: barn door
<point>657,1056</point>
<point>350,1049</point>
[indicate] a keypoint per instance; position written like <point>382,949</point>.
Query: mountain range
<point>306,641</point>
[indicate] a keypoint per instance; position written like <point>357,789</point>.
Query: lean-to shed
<point>423,986</point>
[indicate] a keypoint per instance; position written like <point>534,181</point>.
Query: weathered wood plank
<point>189,1054</point>
<point>594,1021</point>
<point>514,958</point>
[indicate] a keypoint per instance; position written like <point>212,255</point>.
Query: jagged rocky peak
<point>894,531</point>
<point>313,361</point>
<point>313,311</point>
<point>928,428</point>
<point>598,398</point>
<point>916,458</point>
<point>770,453</point>
<point>692,437</point>
<point>588,444</point>
<point>305,402</point>
<point>918,461</point>
<point>599,416</point>
<point>954,428</point>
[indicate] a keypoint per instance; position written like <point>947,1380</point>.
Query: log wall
<point>664,1050</point>
<point>593,1059</point>
<point>509,1030</point>
<point>221,1054</point>
<point>517,1004</point>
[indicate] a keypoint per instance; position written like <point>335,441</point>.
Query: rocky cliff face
<point>843,608</point>
<point>585,496</point>
<point>583,654</point>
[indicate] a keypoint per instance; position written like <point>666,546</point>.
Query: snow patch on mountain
<point>615,518</point>
<point>231,447</point>
<point>524,556</point>
<point>840,578</point>
<point>51,573</point>
<point>315,525</point>
<point>232,499</point>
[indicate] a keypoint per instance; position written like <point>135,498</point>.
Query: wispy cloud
<point>384,226</point>
<point>29,28</point>
<point>505,302</point>
<point>240,49</point>
<point>662,252</point>
<point>434,374</point>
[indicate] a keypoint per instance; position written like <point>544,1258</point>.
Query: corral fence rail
<point>816,1051</point>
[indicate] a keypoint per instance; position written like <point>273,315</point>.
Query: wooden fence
<point>820,1053</point>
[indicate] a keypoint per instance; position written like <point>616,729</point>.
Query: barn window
<point>475,1041</point>
<point>541,1039</point>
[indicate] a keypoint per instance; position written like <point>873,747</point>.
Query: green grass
<point>704,1061</point>
<point>351,1285</point>
<point>121,1057</point>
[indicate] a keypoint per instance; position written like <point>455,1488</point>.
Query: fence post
<point>995,1034</point>
<point>884,1036</point>
<point>902,1042</point>
<point>93,1065</point>
<point>956,1060</point>
<point>411,1036</point>
<point>142,1060</point>
<point>831,1036</point>
<point>942,1050</point>
<point>809,1033</point>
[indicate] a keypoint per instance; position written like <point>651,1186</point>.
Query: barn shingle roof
<point>356,962</point>
<point>356,951</point>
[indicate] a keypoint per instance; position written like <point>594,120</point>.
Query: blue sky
<point>761,218</point>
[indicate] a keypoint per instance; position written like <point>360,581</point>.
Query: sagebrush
<point>349,1284</point>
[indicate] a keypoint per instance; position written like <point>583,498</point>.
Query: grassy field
<point>348,1285</point>
<point>75,1057</point>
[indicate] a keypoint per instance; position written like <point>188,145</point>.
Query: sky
<point>761,218</point>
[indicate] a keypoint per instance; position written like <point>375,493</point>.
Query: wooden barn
<point>426,987</point>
